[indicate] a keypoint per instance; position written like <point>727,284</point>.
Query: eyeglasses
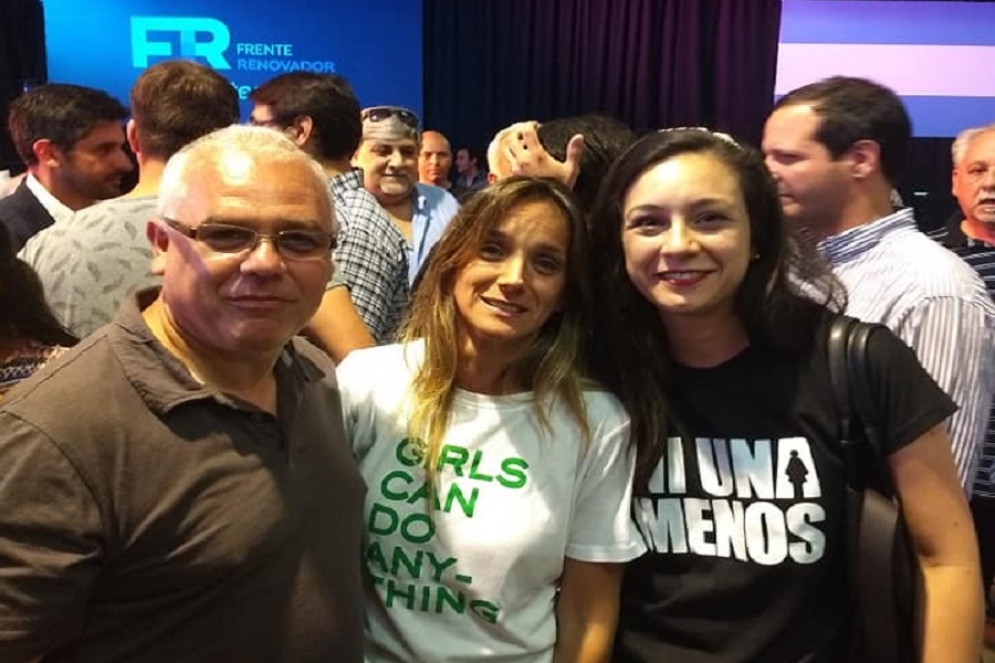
<point>293,244</point>
<point>381,113</point>
<point>271,122</point>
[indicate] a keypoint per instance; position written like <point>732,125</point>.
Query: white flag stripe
<point>909,69</point>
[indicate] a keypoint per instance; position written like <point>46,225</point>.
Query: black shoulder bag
<point>882,566</point>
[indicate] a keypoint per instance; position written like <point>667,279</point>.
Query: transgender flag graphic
<point>938,56</point>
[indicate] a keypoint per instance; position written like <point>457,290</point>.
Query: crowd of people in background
<point>319,387</point>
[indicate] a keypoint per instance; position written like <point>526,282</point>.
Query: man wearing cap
<point>321,114</point>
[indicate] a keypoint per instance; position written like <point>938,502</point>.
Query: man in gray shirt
<point>91,262</point>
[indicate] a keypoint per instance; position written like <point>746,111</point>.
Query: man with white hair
<point>971,235</point>
<point>179,486</point>
<point>388,156</point>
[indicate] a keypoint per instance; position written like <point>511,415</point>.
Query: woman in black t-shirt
<point>712,333</point>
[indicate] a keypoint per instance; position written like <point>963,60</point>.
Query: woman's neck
<point>705,341</point>
<point>487,368</point>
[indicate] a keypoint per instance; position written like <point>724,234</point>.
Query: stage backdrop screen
<point>106,44</point>
<point>936,55</point>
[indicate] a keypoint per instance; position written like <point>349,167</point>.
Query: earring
<point>756,256</point>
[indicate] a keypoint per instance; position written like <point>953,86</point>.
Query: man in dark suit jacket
<point>71,139</point>
<point>23,215</point>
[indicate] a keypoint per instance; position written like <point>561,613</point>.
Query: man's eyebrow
<point>282,224</point>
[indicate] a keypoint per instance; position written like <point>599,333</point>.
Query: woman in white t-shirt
<point>499,478</point>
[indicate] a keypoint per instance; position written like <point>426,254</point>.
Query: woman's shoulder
<point>601,405</point>
<point>378,367</point>
<point>382,357</point>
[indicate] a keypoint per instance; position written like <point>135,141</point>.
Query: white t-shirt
<point>476,576</point>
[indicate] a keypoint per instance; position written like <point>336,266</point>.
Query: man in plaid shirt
<point>320,113</point>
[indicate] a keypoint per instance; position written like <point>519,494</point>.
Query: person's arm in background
<point>954,340</point>
<point>942,534</point>
<point>336,327</point>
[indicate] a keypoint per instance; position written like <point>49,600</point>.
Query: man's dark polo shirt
<point>145,517</point>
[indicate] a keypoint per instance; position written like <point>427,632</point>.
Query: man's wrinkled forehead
<point>380,144</point>
<point>389,130</point>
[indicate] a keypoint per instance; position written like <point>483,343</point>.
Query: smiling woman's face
<point>515,281</point>
<point>686,236</point>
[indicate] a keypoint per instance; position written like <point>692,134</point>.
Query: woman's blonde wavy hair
<point>553,366</point>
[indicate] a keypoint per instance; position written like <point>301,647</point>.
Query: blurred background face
<point>390,168</point>
<point>435,159</point>
<point>250,301</point>
<point>463,162</point>
<point>95,165</point>
<point>974,180</point>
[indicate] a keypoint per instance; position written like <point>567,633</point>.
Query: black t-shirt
<point>744,515</point>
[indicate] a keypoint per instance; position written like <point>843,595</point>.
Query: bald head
<point>435,159</point>
<point>230,153</point>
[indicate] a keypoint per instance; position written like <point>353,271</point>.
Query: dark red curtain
<point>22,62</point>
<point>651,63</point>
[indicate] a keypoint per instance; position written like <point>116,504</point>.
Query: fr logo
<point>204,39</point>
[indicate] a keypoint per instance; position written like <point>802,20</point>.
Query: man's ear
<point>131,133</point>
<point>158,238</point>
<point>47,153</point>
<point>865,158</point>
<point>301,130</point>
<point>356,161</point>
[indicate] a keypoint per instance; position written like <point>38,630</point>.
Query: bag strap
<point>859,421</point>
<point>872,554</point>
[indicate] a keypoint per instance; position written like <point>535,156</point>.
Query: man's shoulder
<point>436,197</point>
<point>363,208</point>
<point>71,391</point>
<point>106,222</point>
<point>930,256</point>
<point>22,206</point>
<point>311,357</point>
<point>107,216</point>
<point>927,270</point>
<point>368,363</point>
<point>18,199</point>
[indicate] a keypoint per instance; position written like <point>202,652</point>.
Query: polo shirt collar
<point>161,379</point>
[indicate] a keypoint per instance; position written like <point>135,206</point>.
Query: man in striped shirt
<point>836,149</point>
<point>971,235</point>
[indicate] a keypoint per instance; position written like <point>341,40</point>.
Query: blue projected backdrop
<point>375,45</point>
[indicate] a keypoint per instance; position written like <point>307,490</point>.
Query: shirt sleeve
<point>373,277</point>
<point>602,529</point>
<point>335,280</point>
<point>51,543</point>
<point>355,382</point>
<point>955,343</point>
